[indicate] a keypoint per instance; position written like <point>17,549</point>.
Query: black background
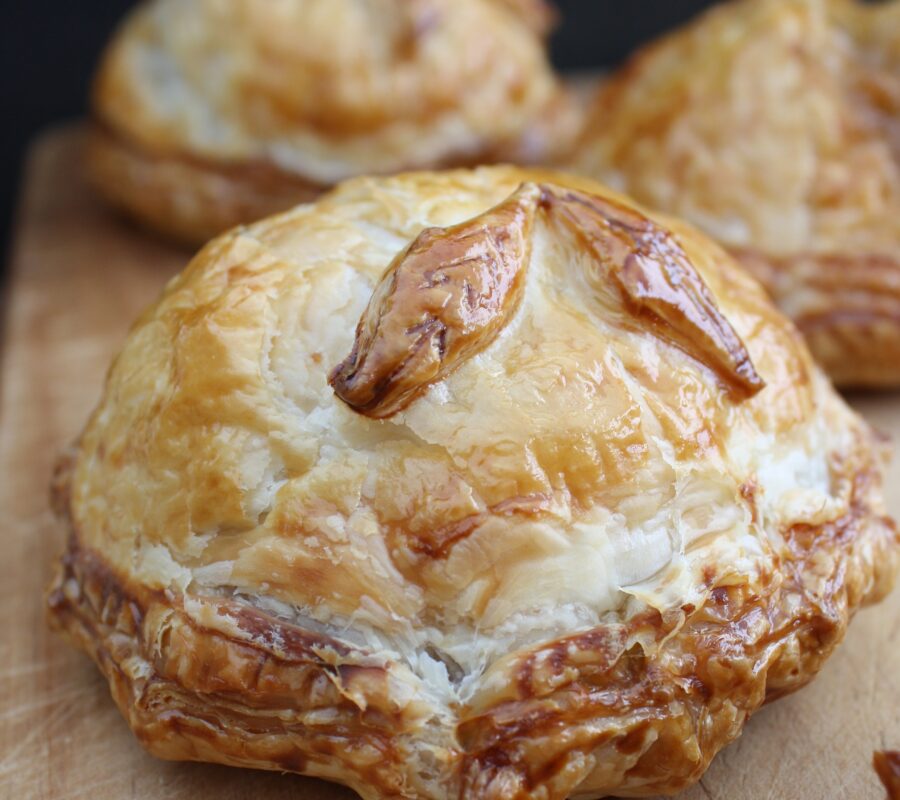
<point>48,49</point>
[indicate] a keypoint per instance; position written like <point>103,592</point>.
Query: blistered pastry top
<point>774,125</point>
<point>328,89</point>
<point>583,448</point>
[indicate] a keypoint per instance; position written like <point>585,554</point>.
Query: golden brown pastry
<point>540,15</point>
<point>774,125</point>
<point>483,484</point>
<point>210,113</point>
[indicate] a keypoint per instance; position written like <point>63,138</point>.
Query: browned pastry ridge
<point>774,125</point>
<point>192,141</point>
<point>477,484</point>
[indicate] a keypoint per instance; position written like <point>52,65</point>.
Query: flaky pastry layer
<point>637,709</point>
<point>313,92</point>
<point>484,483</point>
<point>846,306</point>
<point>774,125</point>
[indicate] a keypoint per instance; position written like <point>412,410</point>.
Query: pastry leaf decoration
<point>658,281</point>
<point>453,290</point>
<point>441,301</point>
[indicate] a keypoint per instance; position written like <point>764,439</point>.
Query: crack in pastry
<point>452,291</point>
<point>774,126</point>
<point>574,566</point>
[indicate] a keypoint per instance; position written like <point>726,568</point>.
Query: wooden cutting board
<point>79,275</point>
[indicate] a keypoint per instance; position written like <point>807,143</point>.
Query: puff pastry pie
<point>210,113</point>
<point>476,484</point>
<point>774,125</point>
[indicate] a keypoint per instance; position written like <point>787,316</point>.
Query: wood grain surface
<point>79,275</point>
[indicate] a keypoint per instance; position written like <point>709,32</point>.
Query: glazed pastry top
<point>772,124</point>
<point>327,89</point>
<point>546,407</point>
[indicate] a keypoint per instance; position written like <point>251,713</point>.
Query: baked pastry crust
<point>774,125</point>
<point>313,92</point>
<point>540,15</point>
<point>562,536</point>
<point>189,199</point>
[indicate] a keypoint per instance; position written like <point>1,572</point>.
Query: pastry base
<point>633,723</point>
<point>188,199</point>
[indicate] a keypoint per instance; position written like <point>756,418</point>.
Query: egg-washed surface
<point>574,563</point>
<point>774,125</point>
<point>316,91</point>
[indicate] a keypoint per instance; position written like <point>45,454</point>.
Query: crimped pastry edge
<point>667,713</point>
<point>846,305</point>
